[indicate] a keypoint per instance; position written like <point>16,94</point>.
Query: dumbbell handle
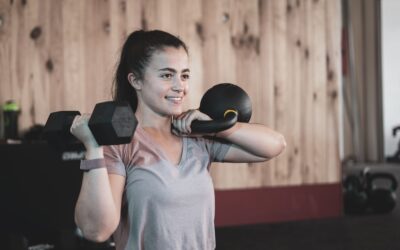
<point>214,126</point>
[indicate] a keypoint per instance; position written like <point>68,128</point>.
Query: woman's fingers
<point>183,121</point>
<point>79,121</point>
<point>191,115</point>
<point>80,129</point>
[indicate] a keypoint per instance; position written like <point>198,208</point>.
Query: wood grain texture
<point>62,54</point>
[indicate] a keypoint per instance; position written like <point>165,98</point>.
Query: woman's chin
<point>176,112</point>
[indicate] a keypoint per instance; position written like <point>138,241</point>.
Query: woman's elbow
<point>279,147</point>
<point>282,143</point>
<point>97,237</point>
<point>96,233</point>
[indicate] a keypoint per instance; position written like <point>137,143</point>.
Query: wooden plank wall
<point>61,54</point>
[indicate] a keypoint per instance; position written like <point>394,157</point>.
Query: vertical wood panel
<point>32,70</point>
<point>118,30</point>
<point>220,61</point>
<point>318,58</point>
<point>98,72</point>
<point>285,54</point>
<point>266,91</point>
<point>134,15</point>
<point>72,89</point>
<point>280,83</point>
<point>245,40</point>
<point>209,29</point>
<point>293,107</point>
<point>190,30</point>
<point>7,55</point>
<point>54,64</point>
<point>333,37</point>
<point>307,95</point>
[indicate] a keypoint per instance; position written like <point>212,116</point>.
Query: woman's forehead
<point>169,57</point>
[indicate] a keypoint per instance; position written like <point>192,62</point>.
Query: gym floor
<point>356,232</point>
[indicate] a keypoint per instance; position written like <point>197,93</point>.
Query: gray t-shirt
<point>165,206</point>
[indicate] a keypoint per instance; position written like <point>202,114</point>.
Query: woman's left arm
<point>252,143</point>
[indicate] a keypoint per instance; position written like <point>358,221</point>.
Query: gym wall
<point>61,55</point>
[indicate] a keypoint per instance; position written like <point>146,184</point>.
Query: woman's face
<point>165,82</point>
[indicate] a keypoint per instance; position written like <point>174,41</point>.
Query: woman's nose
<point>178,86</point>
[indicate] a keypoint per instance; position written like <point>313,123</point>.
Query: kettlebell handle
<point>216,125</point>
<point>373,176</point>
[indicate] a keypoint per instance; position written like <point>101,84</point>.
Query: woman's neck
<point>154,121</point>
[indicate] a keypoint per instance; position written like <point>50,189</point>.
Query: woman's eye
<point>185,77</point>
<point>167,76</point>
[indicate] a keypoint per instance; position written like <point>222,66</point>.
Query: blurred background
<point>322,72</point>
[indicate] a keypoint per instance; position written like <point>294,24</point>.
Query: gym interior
<point>322,72</point>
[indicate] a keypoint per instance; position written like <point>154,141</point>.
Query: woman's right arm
<point>97,211</point>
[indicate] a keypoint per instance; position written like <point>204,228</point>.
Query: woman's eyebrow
<point>173,70</point>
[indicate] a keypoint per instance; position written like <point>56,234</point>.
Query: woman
<point>156,192</point>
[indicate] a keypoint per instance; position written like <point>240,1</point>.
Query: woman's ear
<point>135,83</point>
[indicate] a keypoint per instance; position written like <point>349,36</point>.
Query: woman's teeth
<point>174,98</point>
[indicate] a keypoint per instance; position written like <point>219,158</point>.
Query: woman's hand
<point>80,129</point>
<point>181,123</point>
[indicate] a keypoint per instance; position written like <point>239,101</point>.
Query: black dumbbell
<point>225,104</point>
<point>111,123</point>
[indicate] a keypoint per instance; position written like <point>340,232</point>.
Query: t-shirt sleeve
<point>217,149</point>
<point>114,163</point>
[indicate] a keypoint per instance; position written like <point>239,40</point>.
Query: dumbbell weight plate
<point>57,128</point>
<point>112,123</point>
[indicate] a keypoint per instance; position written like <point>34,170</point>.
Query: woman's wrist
<point>227,132</point>
<point>94,153</point>
<point>94,158</point>
<point>87,165</point>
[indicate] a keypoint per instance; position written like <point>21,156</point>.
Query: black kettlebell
<point>355,198</point>
<point>226,104</point>
<point>381,199</point>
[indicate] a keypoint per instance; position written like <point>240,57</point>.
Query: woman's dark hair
<point>135,56</point>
